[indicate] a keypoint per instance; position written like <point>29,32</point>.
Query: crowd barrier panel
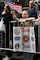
<point>18,31</point>
<point>18,39</point>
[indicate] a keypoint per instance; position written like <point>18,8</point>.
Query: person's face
<point>12,12</point>
<point>24,14</point>
<point>31,5</point>
<point>6,10</point>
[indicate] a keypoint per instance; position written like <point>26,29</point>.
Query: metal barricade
<point>18,42</point>
<point>19,25</point>
<point>2,35</point>
<point>2,39</point>
<point>31,23</point>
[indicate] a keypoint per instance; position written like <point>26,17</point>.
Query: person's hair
<point>7,8</point>
<point>31,1</point>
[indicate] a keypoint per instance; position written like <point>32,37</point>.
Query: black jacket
<point>7,18</point>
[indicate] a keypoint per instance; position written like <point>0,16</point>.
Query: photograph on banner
<point>24,39</point>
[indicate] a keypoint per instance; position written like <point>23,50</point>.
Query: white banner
<point>29,39</point>
<point>24,39</point>
<point>17,39</point>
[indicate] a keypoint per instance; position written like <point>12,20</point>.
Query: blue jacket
<point>32,12</point>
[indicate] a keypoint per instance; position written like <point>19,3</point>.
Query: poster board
<point>24,39</point>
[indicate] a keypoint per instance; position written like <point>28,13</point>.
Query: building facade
<point>23,2</point>
<point>2,0</point>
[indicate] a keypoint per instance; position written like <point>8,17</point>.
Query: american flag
<point>10,1</point>
<point>17,7</point>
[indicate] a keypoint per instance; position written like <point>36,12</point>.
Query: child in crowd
<point>25,15</point>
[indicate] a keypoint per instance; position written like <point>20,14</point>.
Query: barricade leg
<point>11,35</point>
<point>7,35</point>
<point>35,56</point>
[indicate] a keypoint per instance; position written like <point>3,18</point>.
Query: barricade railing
<point>23,28</point>
<point>20,29</point>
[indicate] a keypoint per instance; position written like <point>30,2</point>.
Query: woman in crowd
<point>25,15</point>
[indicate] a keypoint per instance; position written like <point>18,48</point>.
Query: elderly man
<point>32,10</point>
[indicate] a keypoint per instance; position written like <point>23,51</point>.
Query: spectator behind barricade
<point>7,18</point>
<point>25,15</point>
<point>32,10</point>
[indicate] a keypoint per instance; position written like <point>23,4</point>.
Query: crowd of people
<point>10,15</point>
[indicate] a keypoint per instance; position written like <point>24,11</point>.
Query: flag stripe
<point>17,7</point>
